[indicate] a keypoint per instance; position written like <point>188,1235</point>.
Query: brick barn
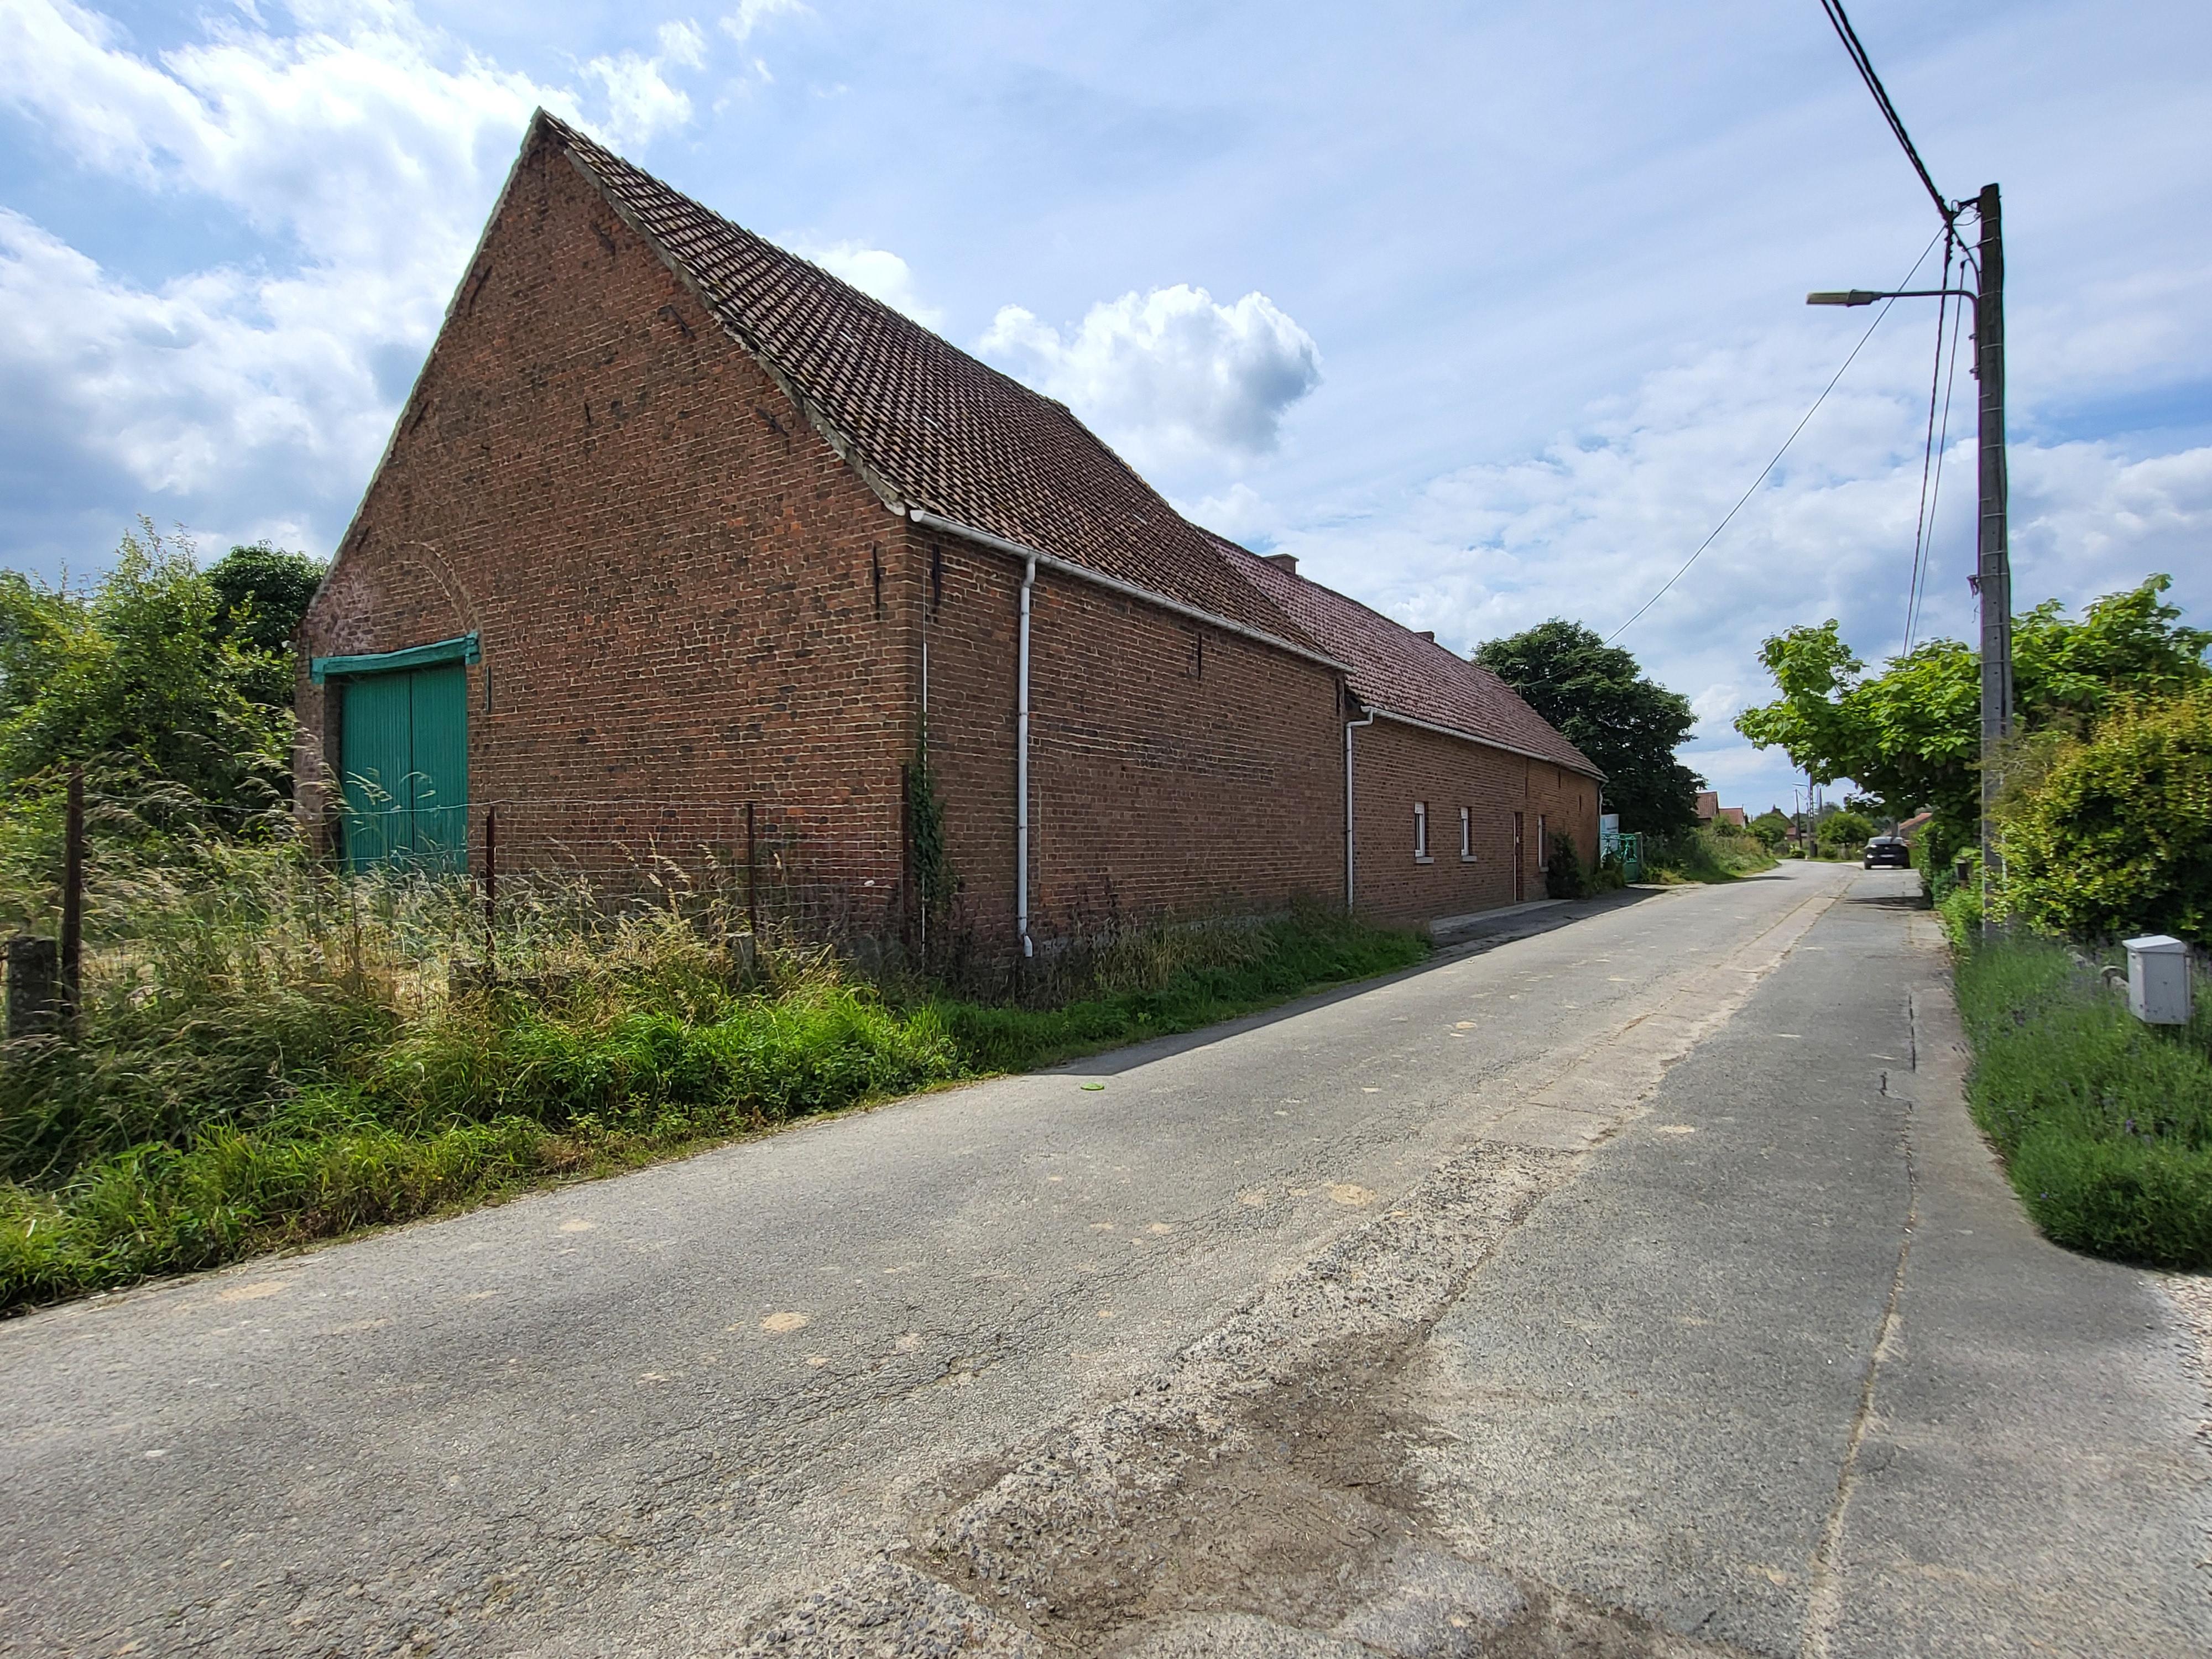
<point>674,523</point>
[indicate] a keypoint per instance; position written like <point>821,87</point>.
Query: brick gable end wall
<point>684,597</point>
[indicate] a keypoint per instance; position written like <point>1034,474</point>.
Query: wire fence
<point>87,889</point>
<point>756,867</point>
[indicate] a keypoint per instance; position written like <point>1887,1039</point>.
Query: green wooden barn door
<point>439,772</point>
<point>375,748</point>
<point>404,746</point>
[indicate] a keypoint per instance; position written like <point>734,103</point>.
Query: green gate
<point>404,755</point>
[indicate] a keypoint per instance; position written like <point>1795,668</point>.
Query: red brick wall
<point>675,580</point>
<point>1396,765</point>
<point>1174,766</point>
<point>685,601</point>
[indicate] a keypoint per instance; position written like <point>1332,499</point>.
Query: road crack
<point>1824,1605</point>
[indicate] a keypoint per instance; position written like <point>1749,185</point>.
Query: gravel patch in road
<point>1257,1499</point>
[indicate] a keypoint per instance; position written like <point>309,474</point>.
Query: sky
<point>1489,313</point>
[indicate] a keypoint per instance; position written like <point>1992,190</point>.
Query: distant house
<point>1709,809</point>
<point>680,540</point>
<point>1912,826</point>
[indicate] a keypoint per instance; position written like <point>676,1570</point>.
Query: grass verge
<point>244,1084</point>
<point>1704,854</point>
<point>2105,1124</point>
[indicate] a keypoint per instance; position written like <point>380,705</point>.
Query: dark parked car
<point>1889,852</point>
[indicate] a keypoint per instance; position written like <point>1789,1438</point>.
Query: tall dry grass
<point>272,1052</point>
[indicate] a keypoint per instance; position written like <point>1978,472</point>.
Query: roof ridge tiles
<point>1399,671</point>
<point>927,424</point>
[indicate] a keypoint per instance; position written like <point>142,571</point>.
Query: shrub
<point>1703,855</point>
<point>1564,876</point>
<point>1961,910</point>
<point>271,1053</point>
<point>2105,1124</point>
<point>2116,837</point>
<point>1846,832</point>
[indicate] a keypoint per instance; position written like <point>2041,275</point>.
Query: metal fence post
<point>491,891</point>
<point>72,953</point>
<point>752,874</point>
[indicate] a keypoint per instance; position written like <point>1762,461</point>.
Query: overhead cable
<point>1864,64</point>
<point>1921,526</point>
<point>1943,449</point>
<point>1785,450</point>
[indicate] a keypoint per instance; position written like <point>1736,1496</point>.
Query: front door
<point>404,745</point>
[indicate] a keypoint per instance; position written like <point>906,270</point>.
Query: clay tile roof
<point>1406,673</point>
<point>926,424</point>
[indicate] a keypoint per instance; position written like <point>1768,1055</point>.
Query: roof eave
<point>1585,768</point>
<point>831,433</point>
<point>929,520</point>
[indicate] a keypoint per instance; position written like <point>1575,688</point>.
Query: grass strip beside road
<point>226,1103</point>
<point>2105,1124</point>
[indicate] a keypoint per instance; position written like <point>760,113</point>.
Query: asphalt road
<point>1637,1284</point>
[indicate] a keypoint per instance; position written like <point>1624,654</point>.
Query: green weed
<point>2105,1124</point>
<point>271,1055</point>
<point>1703,854</point>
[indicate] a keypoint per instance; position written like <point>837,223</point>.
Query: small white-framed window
<point>1467,835</point>
<point>1421,832</point>
<point>1543,844</point>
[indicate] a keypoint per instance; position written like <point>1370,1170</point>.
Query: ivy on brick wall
<point>936,885</point>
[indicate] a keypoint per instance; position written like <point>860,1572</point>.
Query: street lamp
<point>1993,560</point>
<point>1859,296</point>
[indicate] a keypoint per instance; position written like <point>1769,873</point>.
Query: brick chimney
<point>1287,561</point>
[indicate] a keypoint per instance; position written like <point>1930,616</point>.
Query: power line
<point>1785,450</point>
<point>1943,449</point>
<point>1920,523</point>
<point>1864,64</point>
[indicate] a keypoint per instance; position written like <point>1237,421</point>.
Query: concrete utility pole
<point>1993,559</point>
<point>1993,564</point>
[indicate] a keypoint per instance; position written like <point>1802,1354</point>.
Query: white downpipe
<point>1022,767</point>
<point>1351,844</point>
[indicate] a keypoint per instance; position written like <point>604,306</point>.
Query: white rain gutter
<point>1351,846</point>
<point>1022,766</point>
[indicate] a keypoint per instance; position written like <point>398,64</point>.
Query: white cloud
<point>324,140</point>
<point>1237,513</point>
<point>1588,529</point>
<point>640,103</point>
<point>183,382</point>
<point>682,43</point>
<point>873,271</point>
<point>1172,378</point>
<point>750,15</point>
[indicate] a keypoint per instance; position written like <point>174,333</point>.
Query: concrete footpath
<point>1787,1368</point>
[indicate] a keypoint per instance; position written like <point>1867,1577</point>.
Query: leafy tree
<point>1600,701</point>
<point>138,677</point>
<point>264,592</point>
<point>2127,647</point>
<point>2116,836</point>
<point>1911,736</point>
<point>1770,828</point>
<point>1845,830</point>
